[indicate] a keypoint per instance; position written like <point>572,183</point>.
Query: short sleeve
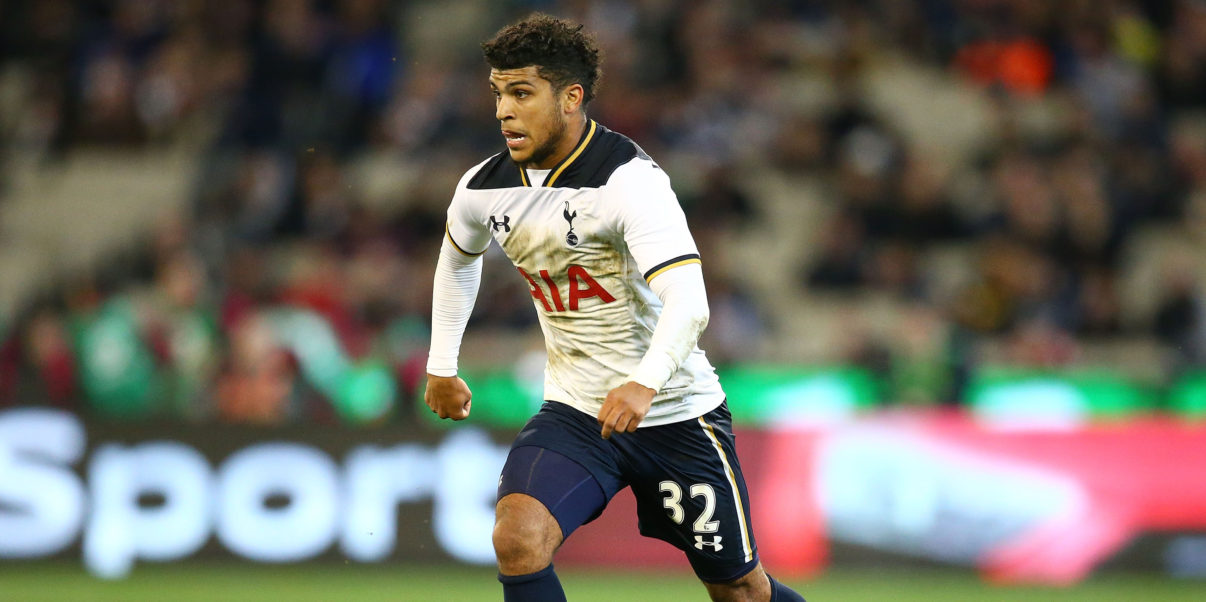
<point>464,228</point>
<point>650,219</point>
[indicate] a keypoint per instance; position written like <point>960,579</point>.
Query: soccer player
<point>592,225</point>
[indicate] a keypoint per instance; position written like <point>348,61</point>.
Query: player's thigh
<point>691,493</point>
<point>566,492</point>
<point>559,460</point>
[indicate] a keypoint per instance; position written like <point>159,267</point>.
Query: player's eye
<point>522,94</point>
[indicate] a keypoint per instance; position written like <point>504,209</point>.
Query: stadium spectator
<point>37,365</point>
<point>1179,320</point>
<point>259,383</point>
<point>182,325</point>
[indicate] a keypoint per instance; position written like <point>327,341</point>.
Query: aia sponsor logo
<point>580,284</point>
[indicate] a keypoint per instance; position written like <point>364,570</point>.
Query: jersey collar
<point>560,168</point>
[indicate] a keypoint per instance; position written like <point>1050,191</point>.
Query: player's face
<point>532,115</point>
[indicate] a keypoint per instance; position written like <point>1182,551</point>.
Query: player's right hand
<point>448,396</point>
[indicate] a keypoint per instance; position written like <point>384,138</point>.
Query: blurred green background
<point>193,581</point>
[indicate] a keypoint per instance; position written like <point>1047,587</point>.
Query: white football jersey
<point>587,236</point>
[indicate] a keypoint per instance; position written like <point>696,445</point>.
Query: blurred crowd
<point>281,294</point>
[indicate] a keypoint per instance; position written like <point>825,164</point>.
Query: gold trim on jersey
<point>665,268</point>
<point>728,470</point>
<point>523,176</point>
<point>590,133</point>
<point>458,247</point>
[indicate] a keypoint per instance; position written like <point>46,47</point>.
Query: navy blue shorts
<point>685,476</point>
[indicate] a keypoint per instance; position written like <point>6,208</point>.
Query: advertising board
<point>1031,505</point>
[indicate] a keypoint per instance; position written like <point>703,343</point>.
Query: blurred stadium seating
<point>923,189</point>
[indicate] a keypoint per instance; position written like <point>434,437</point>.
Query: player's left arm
<point>684,317</point>
<point>655,230</point>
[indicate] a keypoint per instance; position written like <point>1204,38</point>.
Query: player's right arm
<point>457,278</point>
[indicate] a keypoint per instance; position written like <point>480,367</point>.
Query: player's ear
<point>571,98</point>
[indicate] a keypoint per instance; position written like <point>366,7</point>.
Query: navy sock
<point>782,593</point>
<point>541,586</point>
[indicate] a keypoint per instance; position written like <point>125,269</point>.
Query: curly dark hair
<point>561,52</point>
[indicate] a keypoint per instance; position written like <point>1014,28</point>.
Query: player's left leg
<point>754,586</point>
<point>691,493</point>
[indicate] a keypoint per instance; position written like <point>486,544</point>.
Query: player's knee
<point>520,550</point>
<point>509,545</point>
<point>525,536</point>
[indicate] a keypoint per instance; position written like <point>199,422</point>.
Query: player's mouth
<point>514,139</point>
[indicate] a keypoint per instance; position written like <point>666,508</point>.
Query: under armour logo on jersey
<point>571,239</point>
<point>715,543</point>
<point>504,224</point>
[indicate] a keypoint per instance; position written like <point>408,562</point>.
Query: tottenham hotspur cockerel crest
<point>571,239</point>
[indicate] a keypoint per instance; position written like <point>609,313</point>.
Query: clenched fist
<point>448,396</point>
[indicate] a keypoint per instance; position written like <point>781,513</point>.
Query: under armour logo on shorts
<point>715,543</point>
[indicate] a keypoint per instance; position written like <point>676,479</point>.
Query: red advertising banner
<point>1021,505</point>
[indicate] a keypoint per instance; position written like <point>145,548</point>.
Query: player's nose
<point>503,110</point>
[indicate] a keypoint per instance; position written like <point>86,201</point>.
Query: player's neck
<point>573,134</point>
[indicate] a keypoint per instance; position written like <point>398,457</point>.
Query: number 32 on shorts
<point>673,503</point>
